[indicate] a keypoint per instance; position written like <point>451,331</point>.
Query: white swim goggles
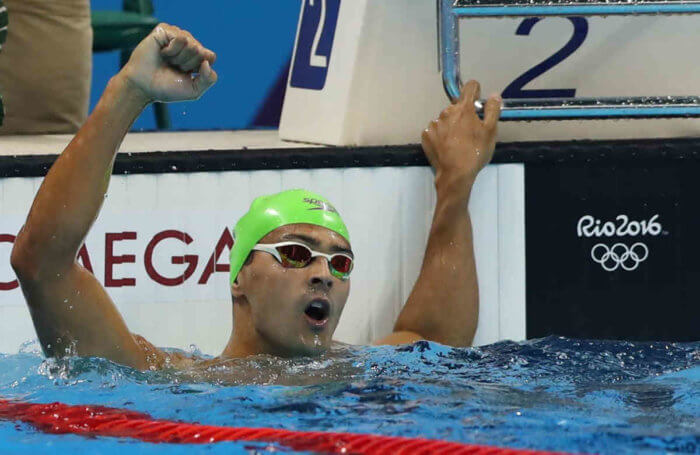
<point>294,255</point>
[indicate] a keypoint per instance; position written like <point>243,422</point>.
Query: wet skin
<point>270,300</point>
<point>74,315</point>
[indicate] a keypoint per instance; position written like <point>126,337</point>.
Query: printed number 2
<point>316,33</point>
<point>515,89</point>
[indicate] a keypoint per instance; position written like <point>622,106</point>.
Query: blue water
<point>551,393</point>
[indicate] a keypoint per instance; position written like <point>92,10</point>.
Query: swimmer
<point>292,260</point>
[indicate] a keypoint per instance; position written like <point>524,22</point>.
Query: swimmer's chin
<point>309,349</point>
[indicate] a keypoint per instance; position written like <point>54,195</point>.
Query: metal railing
<point>451,11</point>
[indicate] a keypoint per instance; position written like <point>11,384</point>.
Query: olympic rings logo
<point>620,255</point>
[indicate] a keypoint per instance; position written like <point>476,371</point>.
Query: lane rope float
<point>94,420</point>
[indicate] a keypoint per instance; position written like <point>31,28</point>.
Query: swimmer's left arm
<point>444,303</point>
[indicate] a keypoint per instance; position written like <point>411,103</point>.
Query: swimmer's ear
<point>236,286</point>
<point>236,290</point>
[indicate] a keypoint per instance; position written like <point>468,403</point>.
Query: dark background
<point>253,41</point>
<point>568,293</point>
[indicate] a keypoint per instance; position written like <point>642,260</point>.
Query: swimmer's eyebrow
<point>315,243</point>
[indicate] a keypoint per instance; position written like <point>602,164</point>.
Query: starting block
<point>523,104</point>
<point>375,72</point>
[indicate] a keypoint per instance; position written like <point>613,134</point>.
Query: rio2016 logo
<point>315,43</point>
<point>619,256</point>
<point>590,227</point>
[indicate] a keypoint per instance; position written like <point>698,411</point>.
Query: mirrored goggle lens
<point>294,255</point>
<point>342,264</point>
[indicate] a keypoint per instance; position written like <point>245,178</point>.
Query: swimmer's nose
<point>321,274</point>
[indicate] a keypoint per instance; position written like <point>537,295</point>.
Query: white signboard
<point>366,71</point>
<point>161,244</point>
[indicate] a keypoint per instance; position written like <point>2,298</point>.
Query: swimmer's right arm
<point>70,308</point>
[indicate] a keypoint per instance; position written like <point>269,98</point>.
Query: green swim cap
<point>267,213</point>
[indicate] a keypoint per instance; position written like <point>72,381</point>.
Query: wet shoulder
<point>158,359</point>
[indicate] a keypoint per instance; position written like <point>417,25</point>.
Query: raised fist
<point>170,65</point>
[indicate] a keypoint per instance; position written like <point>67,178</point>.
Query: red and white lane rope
<point>89,420</point>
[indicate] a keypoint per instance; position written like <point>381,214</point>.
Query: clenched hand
<point>459,144</point>
<point>171,65</point>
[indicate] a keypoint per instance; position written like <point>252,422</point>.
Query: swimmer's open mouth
<point>318,311</point>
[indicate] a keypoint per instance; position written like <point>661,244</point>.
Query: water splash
<point>602,396</point>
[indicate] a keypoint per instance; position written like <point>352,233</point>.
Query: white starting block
<point>363,75</point>
<point>368,72</point>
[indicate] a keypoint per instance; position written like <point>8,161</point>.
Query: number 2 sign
<point>515,88</point>
<point>314,44</point>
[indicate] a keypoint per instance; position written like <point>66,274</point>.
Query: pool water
<point>552,393</point>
